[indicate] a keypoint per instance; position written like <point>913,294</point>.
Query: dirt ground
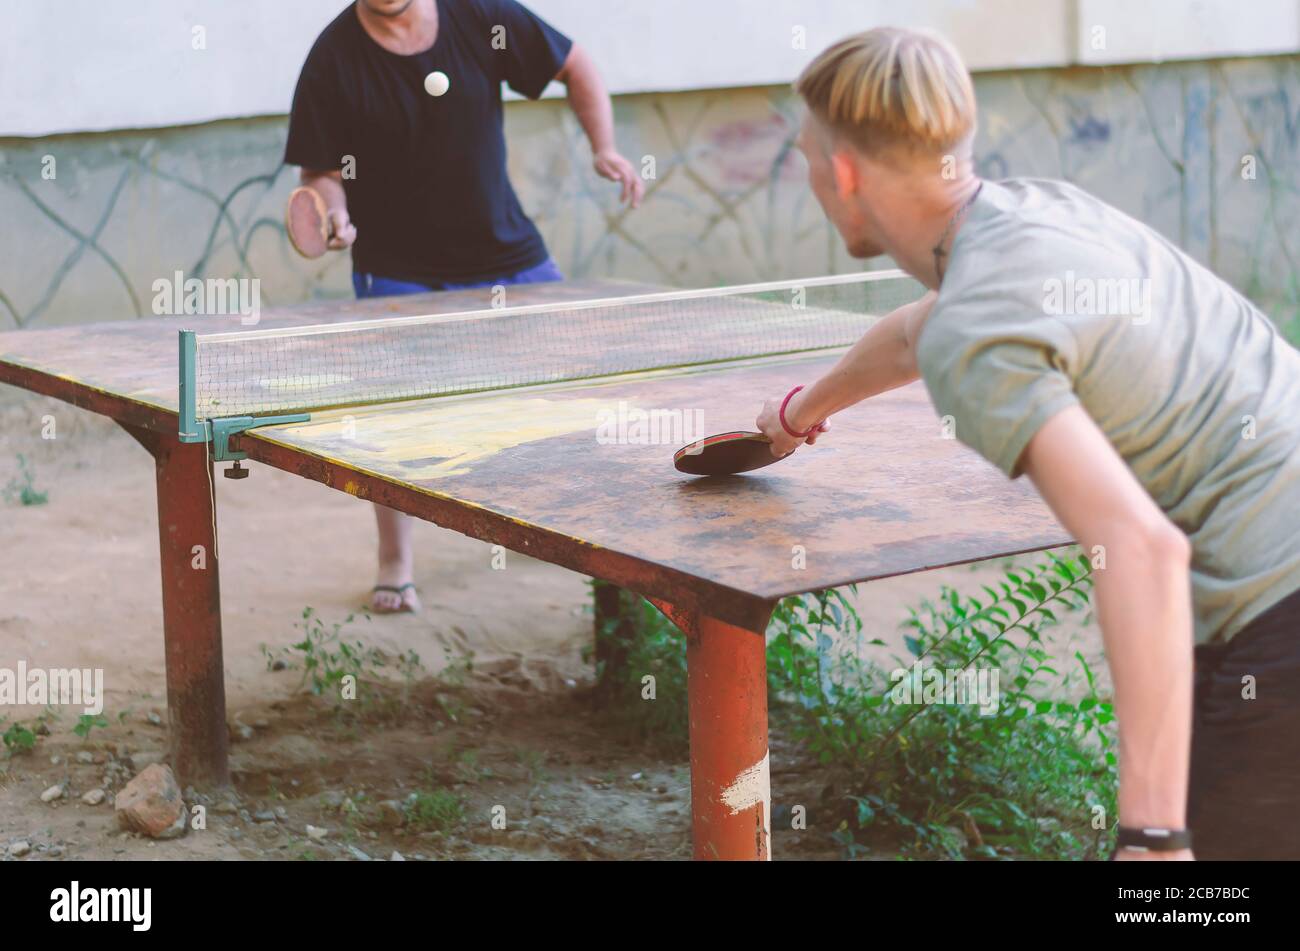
<point>515,737</point>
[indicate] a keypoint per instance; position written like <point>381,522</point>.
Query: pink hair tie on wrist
<point>786,426</point>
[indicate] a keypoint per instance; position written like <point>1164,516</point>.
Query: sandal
<point>400,591</point>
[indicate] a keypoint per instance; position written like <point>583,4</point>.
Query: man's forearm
<point>882,360</point>
<point>1144,608</point>
<point>589,100</point>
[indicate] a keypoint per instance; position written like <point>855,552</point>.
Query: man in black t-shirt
<point>397,125</point>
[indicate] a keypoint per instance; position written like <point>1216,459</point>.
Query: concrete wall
<point>729,203</point>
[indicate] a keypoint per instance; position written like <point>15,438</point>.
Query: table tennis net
<point>366,362</point>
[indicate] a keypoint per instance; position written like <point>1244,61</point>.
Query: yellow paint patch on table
<point>433,439</point>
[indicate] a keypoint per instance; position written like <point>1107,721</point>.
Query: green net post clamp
<point>217,431</point>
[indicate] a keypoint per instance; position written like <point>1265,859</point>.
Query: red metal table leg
<point>731,795</point>
<point>196,694</point>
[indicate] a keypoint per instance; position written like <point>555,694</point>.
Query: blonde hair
<point>892,87</point>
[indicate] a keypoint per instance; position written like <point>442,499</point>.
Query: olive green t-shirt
<point>1052,298</point>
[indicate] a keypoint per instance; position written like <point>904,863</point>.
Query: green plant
<point>456,667</point>
<point>396,704</point>
<point>19,739</point>
<point>455,672</point>
<point>437,810</point>
<point>467,768</point>
<point>87,722</point>
<point>409,666</point>
<point>948,778</point>
<point>353,810</point>
<point>22,489</point>
<point>658,650</point>
<point>325,657</point>
<point>806,674</point>
<point>1021,776</point>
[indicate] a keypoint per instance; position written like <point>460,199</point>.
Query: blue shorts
<point>373,285</point>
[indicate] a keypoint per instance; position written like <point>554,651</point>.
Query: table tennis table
<point>884,494</point>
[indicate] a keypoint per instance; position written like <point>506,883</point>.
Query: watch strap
<point>1154,839</point>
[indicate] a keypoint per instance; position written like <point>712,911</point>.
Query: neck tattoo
<point>939,252</point>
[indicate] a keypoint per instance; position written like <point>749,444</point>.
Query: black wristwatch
<point>1154,840</point>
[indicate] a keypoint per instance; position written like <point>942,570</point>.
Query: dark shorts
<point>1244,798</point>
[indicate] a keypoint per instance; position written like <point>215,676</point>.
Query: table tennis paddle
<point>726,454</point>
<point>306,219</point>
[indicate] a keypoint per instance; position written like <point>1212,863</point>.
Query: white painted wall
<point>89,65</point>
<point>1122,31</point>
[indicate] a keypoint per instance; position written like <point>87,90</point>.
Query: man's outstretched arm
<point>1143,602</point>
<point>590,103</point>
<point>884,359</point>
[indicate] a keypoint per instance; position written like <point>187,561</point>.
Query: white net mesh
<point>261,372</point>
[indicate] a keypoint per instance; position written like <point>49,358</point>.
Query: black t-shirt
<point>430,198</point>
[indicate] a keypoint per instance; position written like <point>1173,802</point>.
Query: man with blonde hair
<point>1155,410</point>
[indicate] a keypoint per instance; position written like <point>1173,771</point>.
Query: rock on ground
<point>151,804</point>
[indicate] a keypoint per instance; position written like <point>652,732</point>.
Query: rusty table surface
<point>533,468</point>
<point>579,474</point>
<point>883,494</point>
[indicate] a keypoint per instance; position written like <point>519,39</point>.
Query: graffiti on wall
<point>1204,152</point>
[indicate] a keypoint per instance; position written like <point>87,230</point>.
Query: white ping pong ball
<point>436,83</point>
